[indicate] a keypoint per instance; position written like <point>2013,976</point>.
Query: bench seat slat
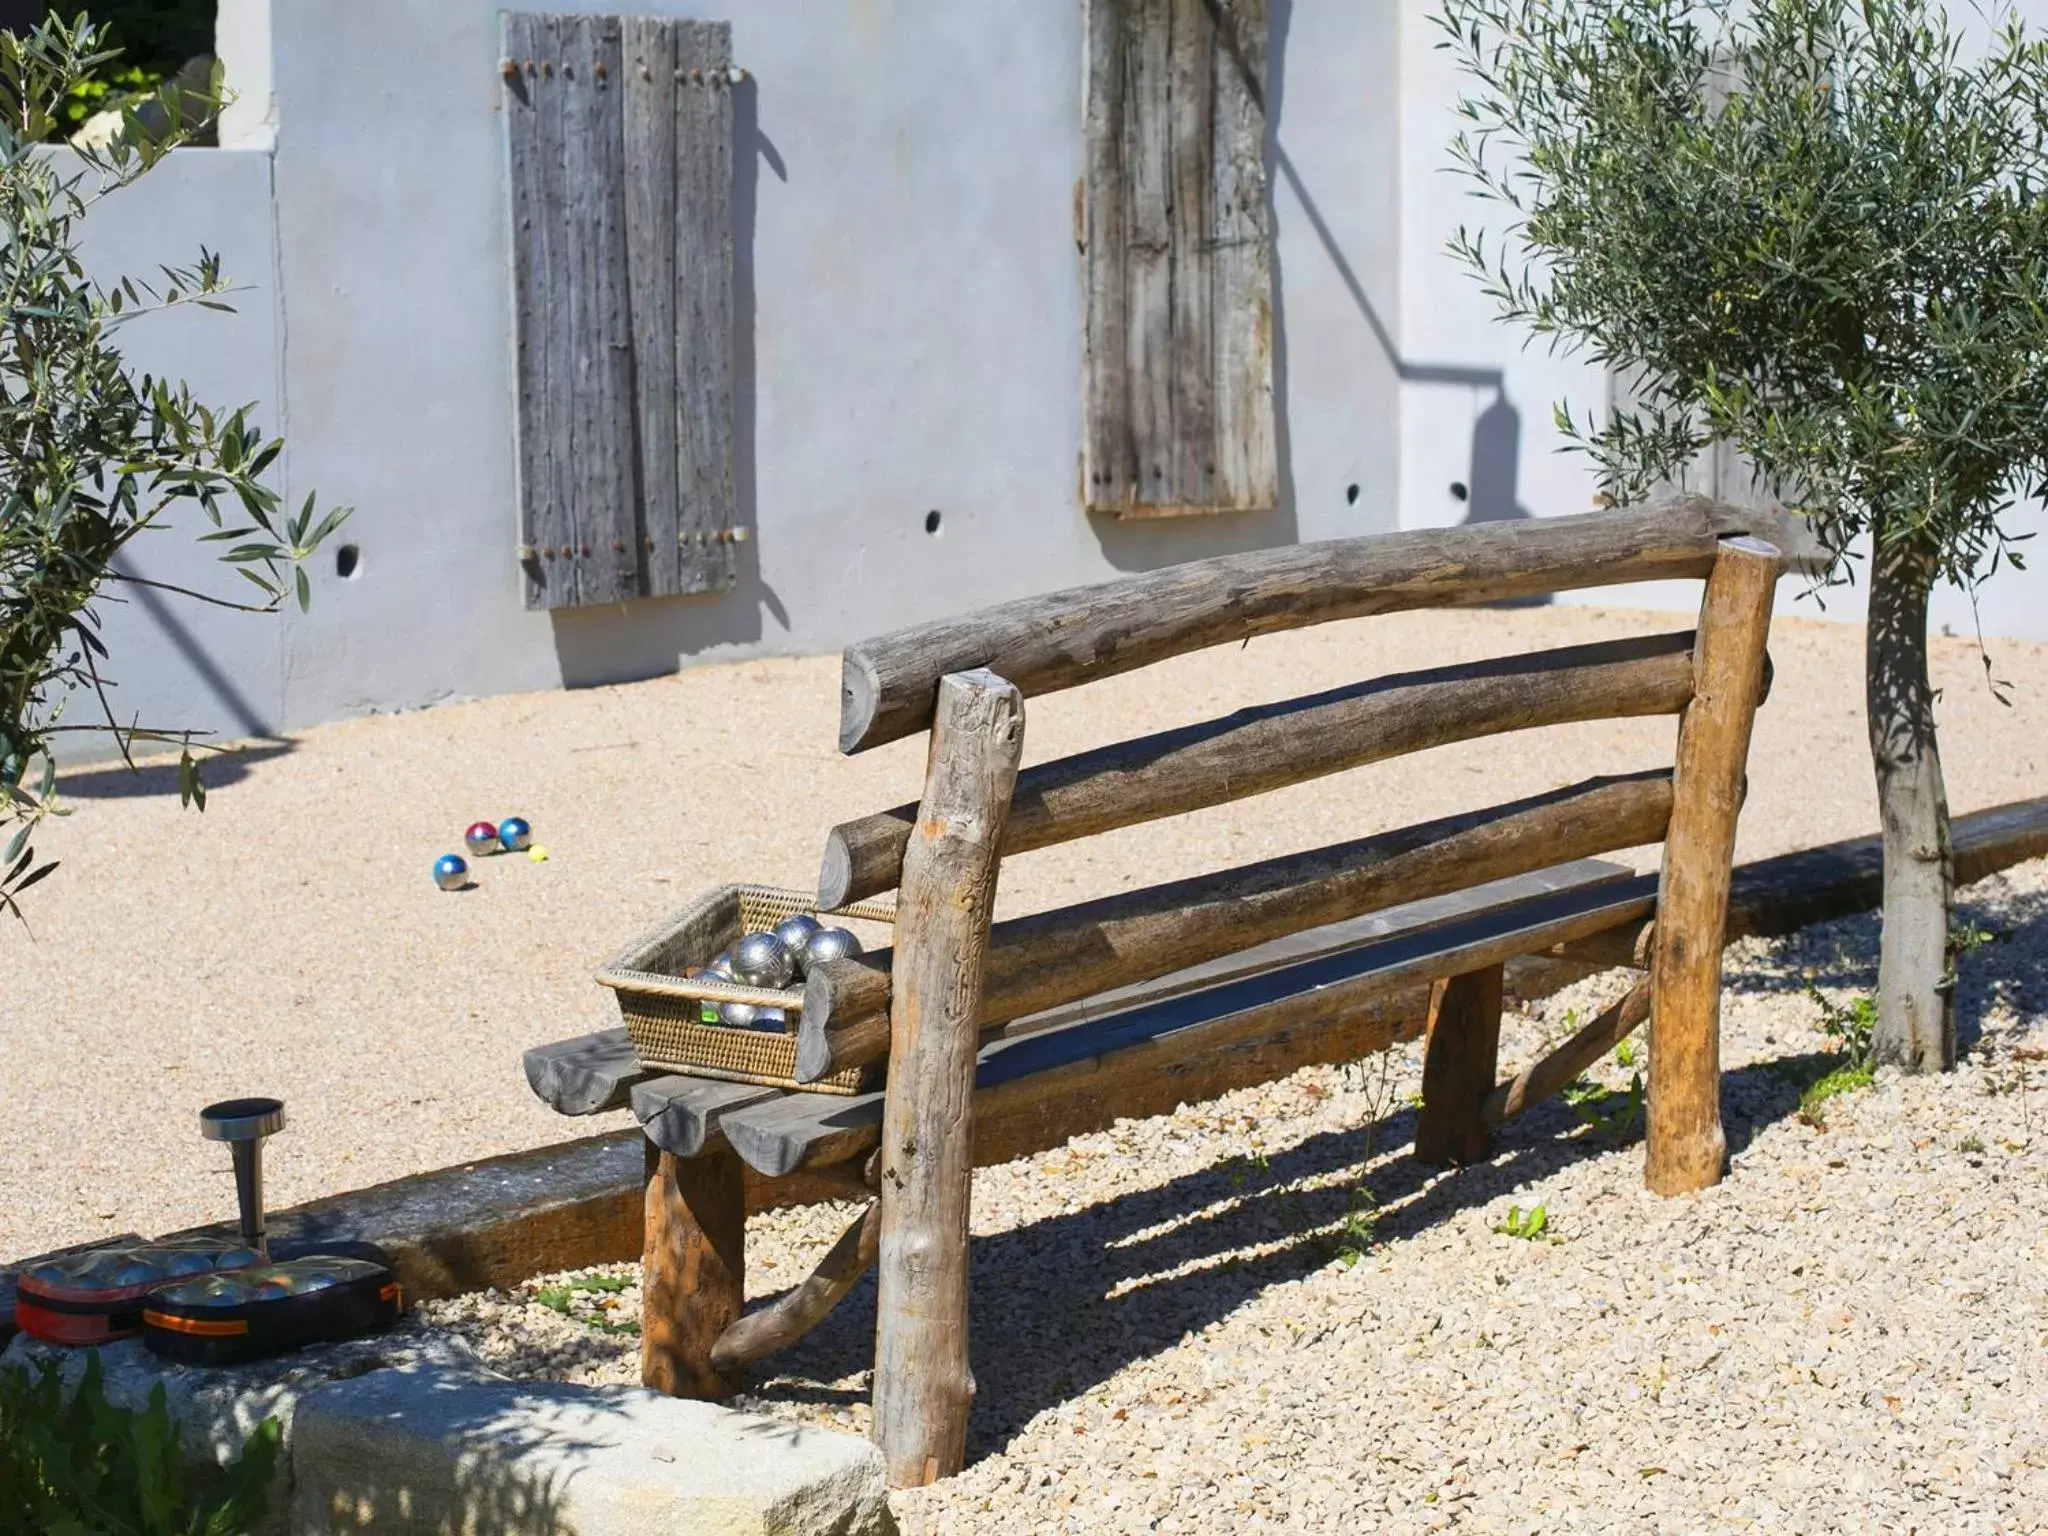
<point>587,1075</point>
<point>1334,938</point>
<point>1333,1007</point>
<point>682,1114</point>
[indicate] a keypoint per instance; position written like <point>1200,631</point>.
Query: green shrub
<point>74,1464</point>
<point>95,455</point>
<point>154,39</point>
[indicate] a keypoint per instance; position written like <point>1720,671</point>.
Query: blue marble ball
<point>451,872</point>
<point>515,834</point>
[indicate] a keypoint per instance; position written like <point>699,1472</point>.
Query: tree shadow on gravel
<point>2004,966</point>
<point>1061,1305</point>
<point>159,781</point>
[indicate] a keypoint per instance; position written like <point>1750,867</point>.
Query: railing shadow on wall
<point>649,638</point>
<point>1491,487</point>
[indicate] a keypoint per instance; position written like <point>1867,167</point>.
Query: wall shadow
<point>1133,1276</point>
<point>109,778</point>
<point>1493,485</point>
<point>1492,482</point>
<point>649,637</point>
<point>1494,466</point>
<point>249,720</point>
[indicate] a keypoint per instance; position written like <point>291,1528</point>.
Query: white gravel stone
<point>1842,1337</point>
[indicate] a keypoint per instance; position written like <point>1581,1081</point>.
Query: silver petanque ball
<point>720,967</point>
<point>762,960</point>
<point>795,933</point>
<point>829,944</point>
<point>773,1021</point>
<point>738,1015</point>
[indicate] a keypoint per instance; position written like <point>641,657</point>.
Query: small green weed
<point>1966,938</point>
<point>561,1298</point>
<point>1527,1225</point>
<point>1841,1080</point>
<point>1240,1169</point>
<point>1849,1026</point>
<point>1361,1228</point>
<point>1629,1054</point>
<point>1970,1146</point>
<point>1612,1113</point>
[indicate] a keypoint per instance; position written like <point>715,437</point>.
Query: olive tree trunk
<point>1916,1018</point>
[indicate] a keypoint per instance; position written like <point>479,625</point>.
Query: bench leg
<point>923,1383</point>
<point>1458,1065</point>
<point>1684,1145</point>
<point>692,1268</point>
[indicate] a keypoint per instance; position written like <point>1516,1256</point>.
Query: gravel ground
<point>290,942</point>
<point>1259,1313</point>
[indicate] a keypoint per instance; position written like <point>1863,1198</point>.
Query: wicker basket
<point>663,1007</point>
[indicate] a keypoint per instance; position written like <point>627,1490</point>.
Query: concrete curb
<point>398,1434</point>
<point>401,1452</point>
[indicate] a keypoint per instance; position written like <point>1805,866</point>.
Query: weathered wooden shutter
<point>619,151</point>
<point>1177,259</point>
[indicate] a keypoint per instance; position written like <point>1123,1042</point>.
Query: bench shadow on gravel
<point>1064,1303</point>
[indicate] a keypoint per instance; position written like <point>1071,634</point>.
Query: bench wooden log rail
<point>1004,1039</point>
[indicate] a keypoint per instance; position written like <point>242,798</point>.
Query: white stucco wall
<point>910,328</point>
<point>1477,399</point>
<point>910,320</point>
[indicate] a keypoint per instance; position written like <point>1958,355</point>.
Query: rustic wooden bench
<point>1006,1039</point>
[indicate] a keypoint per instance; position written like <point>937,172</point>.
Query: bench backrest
<point>1043,644</point>
<point>952,974</point>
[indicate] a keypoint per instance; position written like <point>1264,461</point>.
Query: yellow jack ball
<point>538,854</point>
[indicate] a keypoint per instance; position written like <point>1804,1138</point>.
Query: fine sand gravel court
<point>289,941</point>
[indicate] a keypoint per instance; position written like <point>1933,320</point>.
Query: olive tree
<point>1815,231</point>
<point>94,455</point>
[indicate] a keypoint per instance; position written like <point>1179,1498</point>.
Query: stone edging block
<point>396,1434</point>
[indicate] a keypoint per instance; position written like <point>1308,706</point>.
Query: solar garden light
<point>243,1124</point>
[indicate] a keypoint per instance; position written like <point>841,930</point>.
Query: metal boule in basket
<point>720,967</point>
<point>762,960</point>
<point>716,990</point>
<point>829,944</point>
<point>795,933</point>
